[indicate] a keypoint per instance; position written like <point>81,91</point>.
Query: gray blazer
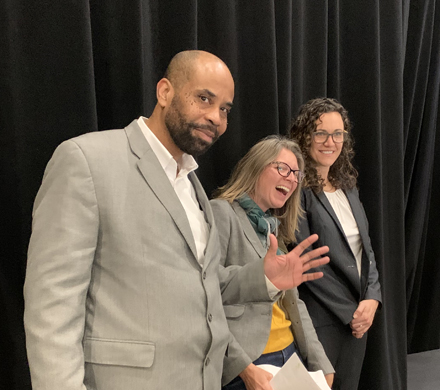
<point>250,323</point>
<point>336,296</point>
<point>114,295</point>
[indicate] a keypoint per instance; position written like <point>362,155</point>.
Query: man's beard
<point>181,131</point>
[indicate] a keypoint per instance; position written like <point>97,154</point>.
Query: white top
<point>342,209</point>
<point>177,173</point>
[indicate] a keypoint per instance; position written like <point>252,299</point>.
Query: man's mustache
<point>211,128</point>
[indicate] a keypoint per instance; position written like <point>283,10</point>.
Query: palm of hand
<point>288,271</point>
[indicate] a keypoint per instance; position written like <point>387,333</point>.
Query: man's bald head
<point>193,102</point>
<point>184,64</point>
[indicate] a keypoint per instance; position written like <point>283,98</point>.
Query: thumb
<point>359,310</point>
<point>273,246</point>
<point>357,313</point>
<point>269,263</point>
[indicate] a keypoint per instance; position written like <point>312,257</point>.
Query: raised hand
<point>288,271</point>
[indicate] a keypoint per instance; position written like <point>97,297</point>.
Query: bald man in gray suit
<point>122,287</point>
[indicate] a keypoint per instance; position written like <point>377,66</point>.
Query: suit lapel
<point>323,199</point>
<point>359,216</point>
<point>209,218</point>
<point>158,181</point>
<point>325,202</point>
<point>249,230</point>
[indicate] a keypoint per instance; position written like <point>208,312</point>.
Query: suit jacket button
<point>209,317</point>
<point>204,275</point>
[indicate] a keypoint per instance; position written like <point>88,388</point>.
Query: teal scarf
<point>262,222</point>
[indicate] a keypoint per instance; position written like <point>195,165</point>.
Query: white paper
<point>293,375</point>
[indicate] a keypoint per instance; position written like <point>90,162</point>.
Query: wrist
<point>247,371</point>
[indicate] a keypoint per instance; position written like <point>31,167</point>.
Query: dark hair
<point>342,174</point>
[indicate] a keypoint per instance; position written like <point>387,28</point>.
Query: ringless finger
<point>312,276</point>
<point>315,263</point>
<point>315,253</point>
<point>304,244</point>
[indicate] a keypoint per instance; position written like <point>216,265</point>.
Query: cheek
<point>222,128</point>
<point>294,186</point>
<point>339,150</point>
<point>312,152</point>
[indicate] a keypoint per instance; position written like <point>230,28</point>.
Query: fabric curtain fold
<point>67,68</point>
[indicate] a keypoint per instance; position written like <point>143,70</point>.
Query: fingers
<point>359,329</point>
<point>314,253</point>
<point>363,328</point>
<point>304,244</point>
<point>312,276</point>
<point>357,332</point>
<point>361,320</point>
<point>315,263</point>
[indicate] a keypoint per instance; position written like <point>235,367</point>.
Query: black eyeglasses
<point>284,170</point>
<point>321,137</point>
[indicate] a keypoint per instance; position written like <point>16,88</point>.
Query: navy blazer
<point>336,296</point>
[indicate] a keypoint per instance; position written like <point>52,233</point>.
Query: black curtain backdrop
<point>70,67</point>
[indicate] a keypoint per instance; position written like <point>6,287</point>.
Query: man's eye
<point>204,99</point>
<point>226,110</point>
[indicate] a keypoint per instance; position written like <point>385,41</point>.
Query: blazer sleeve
<point>373,285</point>
<point>235,361</point>
<point>238,283</point>
<point>60,257</point>
<point>316,356</point>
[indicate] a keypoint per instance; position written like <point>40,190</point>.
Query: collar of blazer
<point>356,209</point>
<point>362,223</point>
<point>248,230</point>
<point>212,248</point>
<point>159,183</point>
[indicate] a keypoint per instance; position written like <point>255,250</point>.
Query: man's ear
<point>164,92</point>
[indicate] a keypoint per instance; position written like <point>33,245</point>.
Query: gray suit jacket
<point>114,295</point>
<point>336,296</point>
<point>250,323</point>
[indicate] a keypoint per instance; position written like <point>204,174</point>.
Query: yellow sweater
<point>281,335</point>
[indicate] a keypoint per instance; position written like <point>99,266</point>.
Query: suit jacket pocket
<point>234,312</point>
<point>119,352</point>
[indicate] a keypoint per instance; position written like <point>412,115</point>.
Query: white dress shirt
<point>342,209</point>
<point>177,173</point>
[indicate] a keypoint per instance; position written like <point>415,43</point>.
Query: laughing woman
<point>262,197</point>
<point>342,305</point>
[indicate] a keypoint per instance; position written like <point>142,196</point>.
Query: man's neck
<point>159,129</point>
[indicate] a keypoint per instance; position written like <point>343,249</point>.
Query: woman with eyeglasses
<point>262,197</point>
<point>343,303</point>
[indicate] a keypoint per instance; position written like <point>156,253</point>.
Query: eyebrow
<point>328,132</point>
<point>213,95</point>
